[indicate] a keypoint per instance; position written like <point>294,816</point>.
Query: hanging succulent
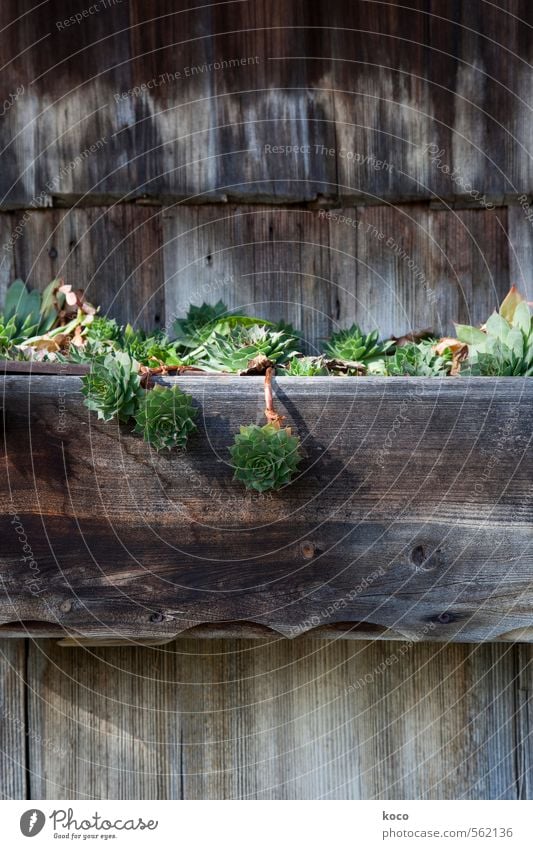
<point>113,387</point>
<point>504,345</point>
<point>354,346</point>
<point>266,458</point>
<point>234,351</point>
<point>166,417</point>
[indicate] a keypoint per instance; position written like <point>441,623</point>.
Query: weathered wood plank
<point>107,714</point>
<point>282,720</point>
<point>524,721</point>
<point>15,732</point>
<point>412,512</point>
<point>7,268</point>
<point>521,247</point>
<point>268,262</point>
<point>114,253</point>
<point>415,267</point>
<point>373,100</point>
<point>431,99</point>
<point>396,268</point>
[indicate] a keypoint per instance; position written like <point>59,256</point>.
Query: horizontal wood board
<point>412,512</point>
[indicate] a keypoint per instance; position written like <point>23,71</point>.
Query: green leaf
<point>522,317</point>
<point>22,303</point>
<point>497,326</point>
<point>515,341</point>
<point>471,336</point>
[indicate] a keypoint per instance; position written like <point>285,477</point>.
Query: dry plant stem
<point>270,413</point>
<point>147,373</point>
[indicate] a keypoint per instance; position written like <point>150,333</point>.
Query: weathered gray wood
<point>106,712</point>
<point>412,512</point>
<point>268,262</point>
<point>396,268</point>
<point>521,246</point>
<point>114,253</point>
<point>15,731</point>
<point>7,270</point>
<point>373,100</point>
<point>524,720</point>
<point>410,267</point>
<point>284,720</point>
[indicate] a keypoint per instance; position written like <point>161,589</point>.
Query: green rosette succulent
<point>113,387</point>
<point>416,360</point>
<point>103,330</point>
<point>265,458</point>
<point>11,334</point>
<point>355,346</point>
<point>233,351</point>
<point>305,367</point>
<point>194,329</point>
<point>166,417</point>
<point>150,349</point>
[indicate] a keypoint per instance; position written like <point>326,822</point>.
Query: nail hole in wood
<point>418,556</point>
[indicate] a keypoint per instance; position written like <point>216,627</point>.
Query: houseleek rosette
<point>113,387</point>
<point>266,457</point>
<point>166,417</point>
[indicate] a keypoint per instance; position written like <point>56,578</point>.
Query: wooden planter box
<point>411,518</point>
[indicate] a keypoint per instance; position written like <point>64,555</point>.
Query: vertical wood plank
<point>114,253</point>
<point>14,729</point>
<point>521,247</point>
<point>417,267</point>
<point>109,712</point>
<point>7,240</point>
<point>524,721</point>
<point>277,720</point>
<point>267,261</point>
<point>397,268</point>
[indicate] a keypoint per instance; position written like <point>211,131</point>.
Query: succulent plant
<point>305,367</point>
<point>11,334</point>
<point>504,346</point>
<point>355,346</point>
<point>166,417</point>
<point>149,349</point>
<point>416,360</point>
<point>194,329</point>
<point>26,313</point>
<point>113,387</point>
<point>233,351</point>
<point>265,458</point>
<point>103,330</point>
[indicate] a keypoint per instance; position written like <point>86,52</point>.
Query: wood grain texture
<point>520,225</point>
<point>15,730</point>
<point>114,253</point>
<point>395,267</point>
<point>399,268</point>
<point>234,719</point>
<point>362,100</point>
<point>412,512</point>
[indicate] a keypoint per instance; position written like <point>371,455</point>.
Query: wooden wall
<point>404,206</point>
